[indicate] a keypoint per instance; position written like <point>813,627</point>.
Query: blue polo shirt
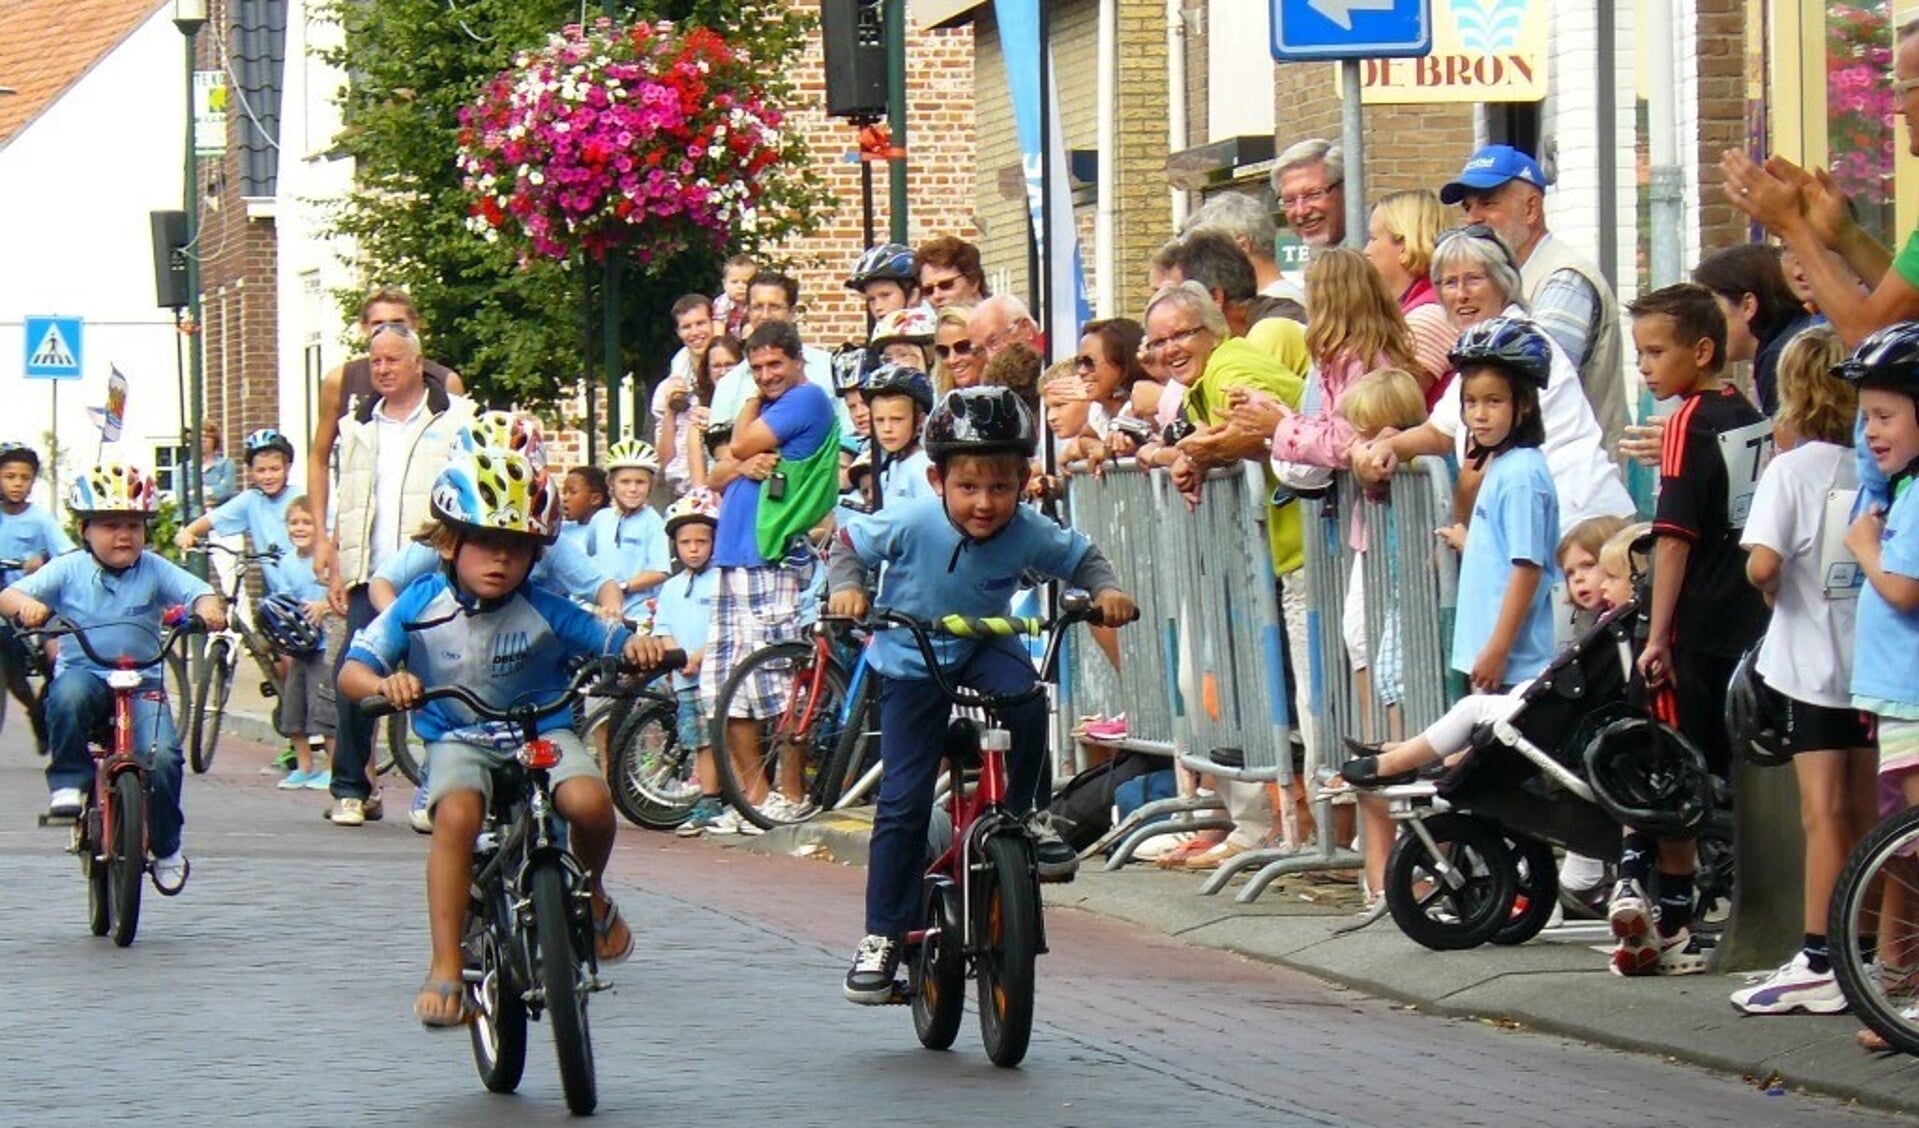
<point>120,611</point>
<point>30,533</point>
<point>932,570</point>
<point>264,520</point>
<point>1515,518</point>
<point>801,419</point>
<point>1886,638</point>
<point>683,612</point>
<point>624,545</point>
<point>562,570</point>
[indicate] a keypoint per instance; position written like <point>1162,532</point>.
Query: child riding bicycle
<point>30,535</point>
<point>481,625</point>
<point>118,592</point>
<point>961,552</point>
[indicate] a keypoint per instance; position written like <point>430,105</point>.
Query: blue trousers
<point>352,731</point>
<point>913,717</point>
<point>78,702</point>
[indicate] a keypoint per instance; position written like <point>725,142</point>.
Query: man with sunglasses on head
<point>1567,296</point>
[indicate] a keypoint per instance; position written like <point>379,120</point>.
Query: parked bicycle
<point>110,832</point>
<point>980,898</point>
<point>529,941</point>
<point>218,662</point>
<point>1877,894</point>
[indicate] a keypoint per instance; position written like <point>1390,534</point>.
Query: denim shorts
<point>691,718</point>
<point>454,766</point>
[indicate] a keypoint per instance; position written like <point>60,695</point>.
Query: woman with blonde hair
<point>1399,244</point>
<point>955,365</point>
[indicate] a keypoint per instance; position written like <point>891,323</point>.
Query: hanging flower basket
<point>649,139</point>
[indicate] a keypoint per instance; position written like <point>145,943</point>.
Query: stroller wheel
<point>1455,892</point>
<point>1535,890</point>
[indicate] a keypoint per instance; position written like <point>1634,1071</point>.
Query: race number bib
<point>1745,451</point>
<point>1839,572</point>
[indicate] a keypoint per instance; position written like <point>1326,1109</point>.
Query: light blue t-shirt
<point>625,546</point>
<point>29,534</point>
<point>1885,639</point>
<point>297,571</point>
<point>1515,518</point>
<point>683,612</point>
<point>514,654</point>
<point>264,520</point>
<point>120,611</point>
<point>575,533</point>
<point>561,570</point>
<point>801,419</point>
<point>932,570</point>
<point>905,480</point>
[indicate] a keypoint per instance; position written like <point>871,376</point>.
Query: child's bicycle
<point>220,660</point>
<point>529,934</point>
<point>24,663</point>
<point>110,832</point>
<point>980,900</point>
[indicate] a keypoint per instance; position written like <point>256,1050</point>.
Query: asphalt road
<point>277,990</point>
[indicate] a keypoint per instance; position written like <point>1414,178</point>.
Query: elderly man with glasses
<point>1310,181</point>
<point>997,323</point>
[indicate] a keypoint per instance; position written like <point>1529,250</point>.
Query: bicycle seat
<point>962,744</point>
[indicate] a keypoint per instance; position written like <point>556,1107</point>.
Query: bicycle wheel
<point>650,773</point>
<point>210,704</point>
<point>1007,917</point>
<point>1880,880</point>
<point>499,1014</point>
<point>936,969</point>
<point>856,742</point>
<point>127,864</point>
<point>397,749</point>
<point>1536,884</point>
<point>179,683</point>
<point>807,726</point>
<point>1458,898</point>
<point>99,898</point>
<point>559,933</point>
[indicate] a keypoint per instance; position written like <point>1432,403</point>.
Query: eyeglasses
<point>1467,281</point>
<point>1156,344</point>
<point>1478,231</point>
<point>957,348</point>
<point>1084,364</point>
<point>1307,199</point>
<point>944,285</point>
<point>768,307</point>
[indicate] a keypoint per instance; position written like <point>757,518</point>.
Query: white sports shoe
<point>1793,987</point>
<point>65,802</point>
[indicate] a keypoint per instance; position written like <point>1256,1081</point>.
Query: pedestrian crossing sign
<point>53,347</point>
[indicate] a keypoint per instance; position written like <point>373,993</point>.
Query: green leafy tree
<point>518,329</point>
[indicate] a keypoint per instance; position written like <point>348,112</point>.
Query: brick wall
<point>1722,115</point>
<point>1143,199</point>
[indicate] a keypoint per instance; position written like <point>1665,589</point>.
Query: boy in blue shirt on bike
<point>259,511</point>
<point>479,624</point>
<point>118,592</point>
<point>31,535</point>
<point>963,552</point>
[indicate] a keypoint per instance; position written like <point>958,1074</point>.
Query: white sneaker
<point>65,802</point>
<point>729,822</point>
<point>170,873</point>
<point>1793,987</point>
<point>1153,849</point>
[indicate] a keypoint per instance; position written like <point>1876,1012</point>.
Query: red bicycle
<point>110,832</point>
<point>980,901</point>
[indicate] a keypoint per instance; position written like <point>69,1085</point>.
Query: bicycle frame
<point>524,793</point>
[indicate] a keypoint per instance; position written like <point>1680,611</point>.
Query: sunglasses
<point>957,348</point>
<point>399,329</point>
<point>1478,231</point>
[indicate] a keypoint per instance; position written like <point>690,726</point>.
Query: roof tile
<point>47,45</point>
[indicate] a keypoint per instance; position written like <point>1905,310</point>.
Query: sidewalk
<point>1556,986</point>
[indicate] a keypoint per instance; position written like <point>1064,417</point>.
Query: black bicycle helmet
<point>1887,360</point>
<point>1516,345</point>
<point>899,380</point>
<point>284,619</point>
<point>888,262</point>
<point>1755,715</point>
<point>20,452</point>
<point>266,439</point>
<point>1649,777</point>
<point>980,420</point>
<point>849,367</point>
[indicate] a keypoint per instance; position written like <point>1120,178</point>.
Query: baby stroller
<point>1575,759</point>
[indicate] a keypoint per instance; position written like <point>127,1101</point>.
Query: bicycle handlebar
<point>58,626</point>
<point>1075,607</point>
<point>271,555</point>
<point>376,705</point>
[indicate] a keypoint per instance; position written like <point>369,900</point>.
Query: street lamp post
<point>190,16</point>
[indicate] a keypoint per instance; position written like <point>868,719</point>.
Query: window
<point>167,461</point>
<point>1860,131</point>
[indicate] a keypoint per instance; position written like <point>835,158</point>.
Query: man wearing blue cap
<point>1571,300</point>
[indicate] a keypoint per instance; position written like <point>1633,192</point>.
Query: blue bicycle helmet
<point>849,363</point>
<point>284,619</point>
<point>899,380</point>
<point>888,262</point>
<point>1519,347</point>
<point>980,420</point>
<point>1887,360</point>
<point>266,439</point>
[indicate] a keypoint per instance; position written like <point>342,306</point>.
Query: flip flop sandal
<point>442,989</point>
<point>603,928</point>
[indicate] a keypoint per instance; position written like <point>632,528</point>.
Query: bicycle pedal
<point>902,994</point>
<point>58,820</point>
<point>598,984</point>
<point>267,689</point>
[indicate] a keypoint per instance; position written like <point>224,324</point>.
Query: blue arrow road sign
<point>1309,30</point>
<point>53,347</point>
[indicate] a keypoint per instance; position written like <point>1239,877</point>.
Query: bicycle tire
<point>1888,855</point>
<point>1537,881</point>
<point>499,1017</point>
<point>1443,918</point>
<point>127,864</point>
<point>558,928</point>
<point>178,680</point>
<point>396,742</point>
<point>791,659</point>
<point>936,970</point>
<point>94,870</point>
<point>650,774</point>
<point>850,750</point>
<point>210,706</point>
<point>1007,918</point>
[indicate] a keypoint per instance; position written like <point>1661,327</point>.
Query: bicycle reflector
<point>175,615</point>
<point>540,755</point>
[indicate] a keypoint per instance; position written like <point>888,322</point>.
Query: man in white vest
<point>392,444</point>
<point>1570,299</point>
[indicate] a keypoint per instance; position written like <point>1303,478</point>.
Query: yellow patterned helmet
<point>111,489</point>
<point>500,491</point>
<point>632,454</point>
<point>507,430</point>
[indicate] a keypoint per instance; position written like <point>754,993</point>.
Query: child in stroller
<point>1564,760</point>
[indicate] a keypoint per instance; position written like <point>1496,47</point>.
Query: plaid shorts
<point>753,607</point>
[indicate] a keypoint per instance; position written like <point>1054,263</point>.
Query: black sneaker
<point>875,963</point>
<point>1055,860</point>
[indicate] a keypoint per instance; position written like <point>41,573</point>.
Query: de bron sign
<point>1453,70</point>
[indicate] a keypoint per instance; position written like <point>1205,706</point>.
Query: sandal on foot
<point>605,947</point>
<point>429,1004</point>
